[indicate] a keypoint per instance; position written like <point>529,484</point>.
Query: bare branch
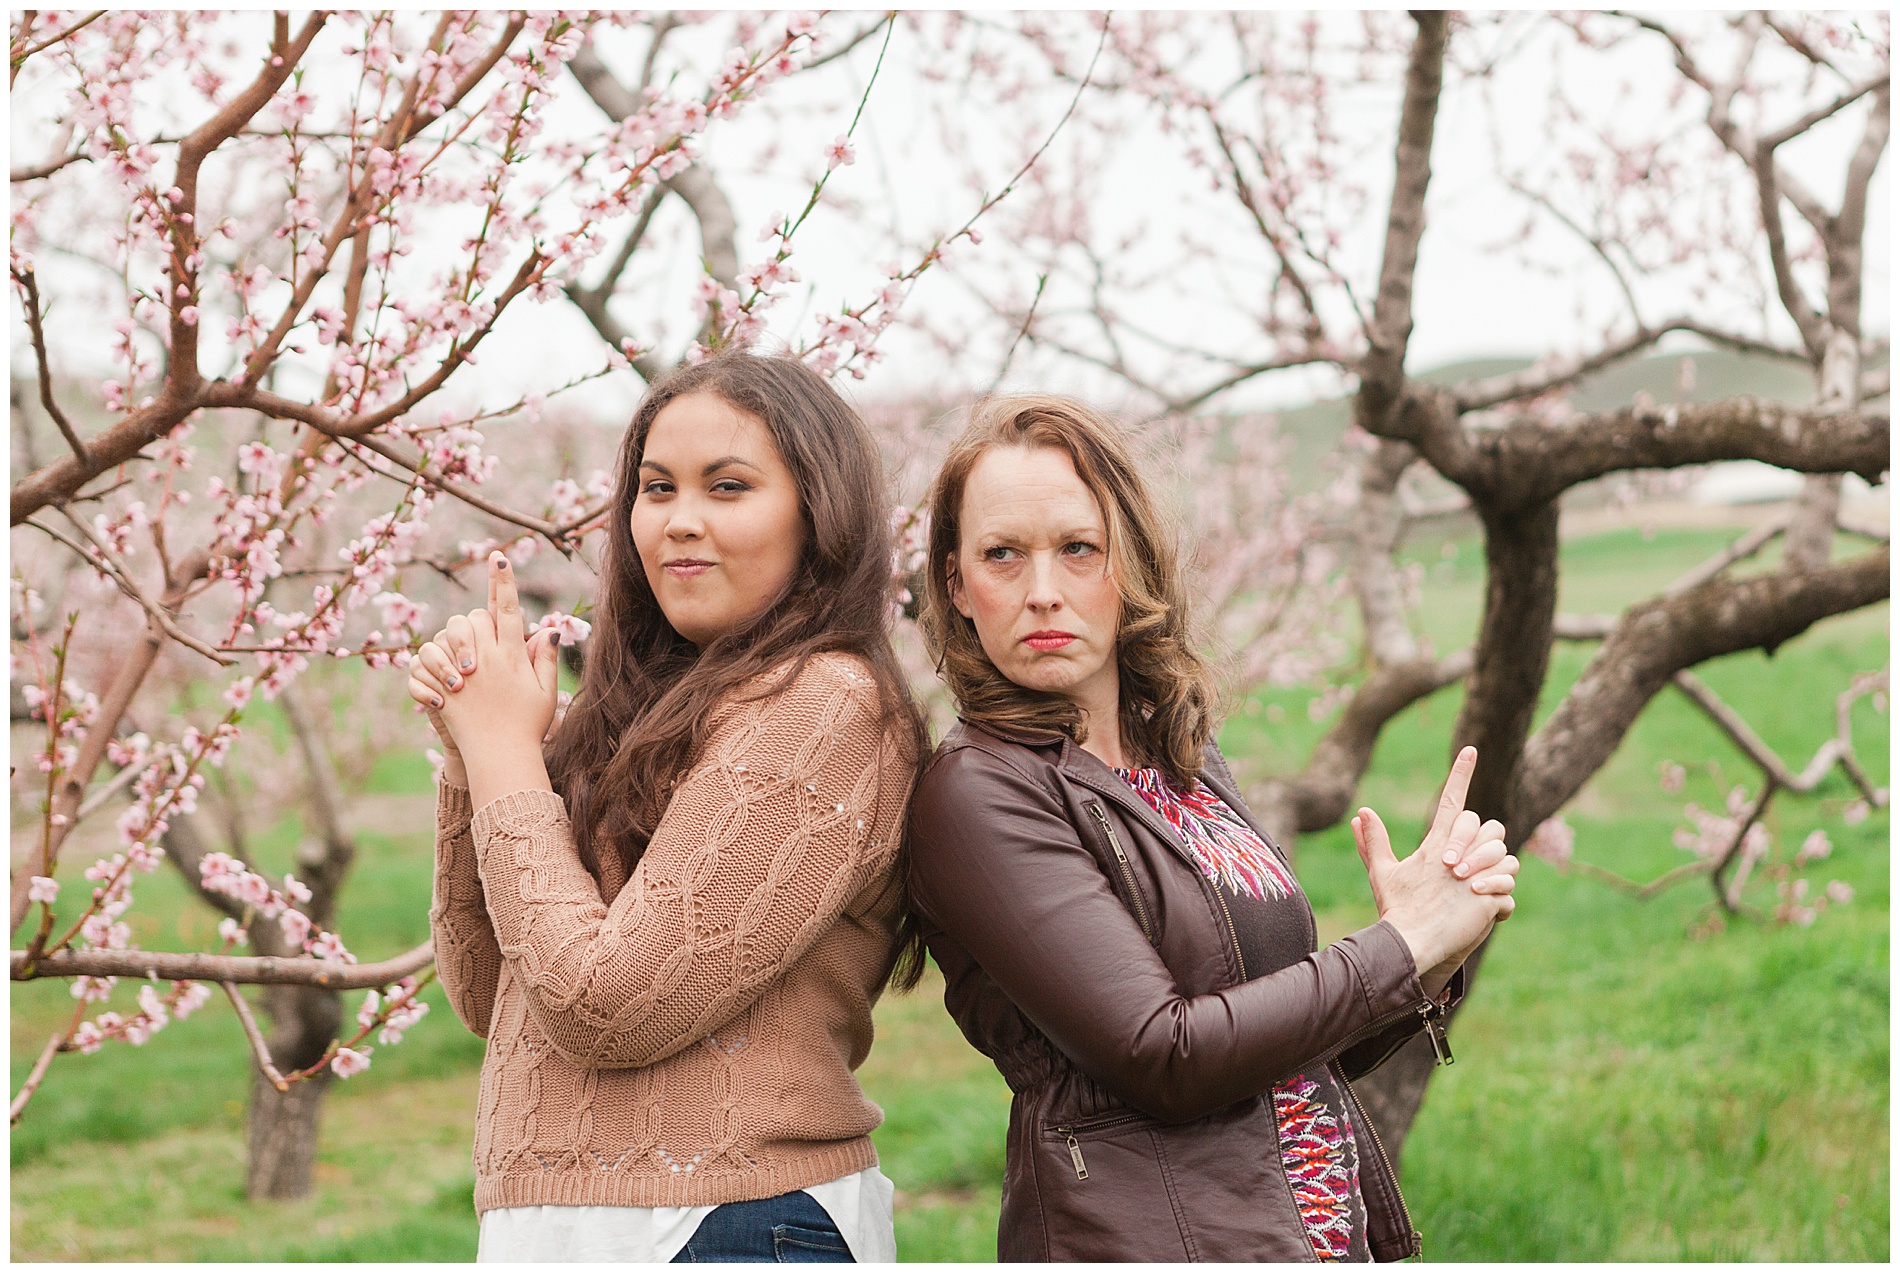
<point>1659,638</point>
<point>1731,723</point>
<point>1782,136</point>
<point>100,556</point>
<point>1382,371</point>
<point>1527,461</point>
<point>1742,549</point>
<point>29,282</point>
<point>33,1078</point>
<point>1475,395</point>
<point>260,1051</point>
<point>250,970</point>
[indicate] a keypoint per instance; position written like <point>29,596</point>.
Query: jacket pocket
<point>1075,1133</point>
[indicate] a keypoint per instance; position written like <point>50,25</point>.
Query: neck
<point>1101,716</point>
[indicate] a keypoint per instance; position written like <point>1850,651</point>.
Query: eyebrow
<point>723,461</point>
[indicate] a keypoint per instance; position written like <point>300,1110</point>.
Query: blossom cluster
<point>223,874</point>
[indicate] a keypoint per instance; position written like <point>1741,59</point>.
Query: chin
<point>1048,677</point>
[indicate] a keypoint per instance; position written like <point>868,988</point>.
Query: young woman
<point>671,921</point>
<point>1116,930</point>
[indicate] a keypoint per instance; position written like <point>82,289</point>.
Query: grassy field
<point>1624,1091</point>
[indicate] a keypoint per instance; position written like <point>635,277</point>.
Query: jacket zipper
<point>1229,917</point>
<point>1435,1031</point>
<point>1391,1173</point>
<point>1075,1151</point>
<point>1128,880</point>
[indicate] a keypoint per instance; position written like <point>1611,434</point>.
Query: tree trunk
<point>282,1138</point>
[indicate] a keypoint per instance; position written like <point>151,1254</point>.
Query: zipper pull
<point>1435,1031</point>
<point>1114,841</point>
<point>1075,1154</point>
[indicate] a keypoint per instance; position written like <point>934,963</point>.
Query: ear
<point>954,579</point>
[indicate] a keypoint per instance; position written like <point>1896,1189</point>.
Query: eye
<point>657,486</point>
<point>997,553</point>
<point>1079,548</point>
<point>730,486</point>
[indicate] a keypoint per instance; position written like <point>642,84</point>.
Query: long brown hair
<point>647,693</point>
<point>1168,697</point>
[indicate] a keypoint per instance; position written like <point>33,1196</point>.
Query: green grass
<point>1623,1091</point>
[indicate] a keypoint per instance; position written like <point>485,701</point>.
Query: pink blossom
<point>1855,813</point>
<point>840,152</point>
<point>296,927</point>
<point>573,630</point>
<point>1673,777</point>
<point>43,890</point>
<point>349,1061</point>
<point>1554,840</point>
<point>330,946</point>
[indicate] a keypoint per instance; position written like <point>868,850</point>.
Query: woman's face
<point>1031,571</point>
<point>716,518</point>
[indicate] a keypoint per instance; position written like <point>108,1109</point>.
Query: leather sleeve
<point>997,865</point>
<point>1363,1058</point>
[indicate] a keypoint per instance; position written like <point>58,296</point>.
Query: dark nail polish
<point>555,640</point>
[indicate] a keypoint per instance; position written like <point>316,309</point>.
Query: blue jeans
<point>789,1229</point>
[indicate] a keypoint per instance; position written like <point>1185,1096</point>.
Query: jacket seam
<point>1174,1196</point>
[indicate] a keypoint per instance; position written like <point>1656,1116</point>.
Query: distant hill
<point>1719,373</point>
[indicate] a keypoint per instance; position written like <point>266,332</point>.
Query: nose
<point>1044,596</point>
<point>684,521</point>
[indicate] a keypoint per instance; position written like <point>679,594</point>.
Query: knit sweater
<point>687,1039</point>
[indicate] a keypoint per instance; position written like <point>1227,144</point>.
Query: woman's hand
<point>1443,898</point>
<point>496,718</point>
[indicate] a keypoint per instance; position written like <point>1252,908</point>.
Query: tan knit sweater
<point>692,1040</point>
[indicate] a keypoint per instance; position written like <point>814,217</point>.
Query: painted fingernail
<point>468,665</point>
<point>435,700</point>
<point>455,682</point>
<point>555,640</point>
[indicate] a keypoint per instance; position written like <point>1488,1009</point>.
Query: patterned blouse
<point>1317,1144</point>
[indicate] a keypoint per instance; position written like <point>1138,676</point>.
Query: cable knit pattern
<point>692,1041</point>
<point>467,957</point>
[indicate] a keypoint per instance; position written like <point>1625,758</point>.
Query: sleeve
<point>1368,1055</point>
<point>998,866</point>
<point>765,842</point>
<point>467,958</point>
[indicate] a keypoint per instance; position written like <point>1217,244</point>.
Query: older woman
<point>1117,932</point>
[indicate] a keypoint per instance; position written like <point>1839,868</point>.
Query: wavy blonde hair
<point>1168,696</point>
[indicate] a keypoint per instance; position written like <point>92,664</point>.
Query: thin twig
<point>33,1079</point>
<point>260,1050</point>
<point>1730,896</point>
<point>1745,547</point>
<point>29,282</point>
<point>1042,281</point>
<point>1642,892</point>
<point>130,589</point>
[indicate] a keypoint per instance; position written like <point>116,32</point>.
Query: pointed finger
<point>503,603</point>
<point>1451,802</point>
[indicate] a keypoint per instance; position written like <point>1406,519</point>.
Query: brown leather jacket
<point>1088,957</point>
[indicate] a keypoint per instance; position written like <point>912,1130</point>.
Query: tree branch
<point>1320,794</point>
<point>250,970</point>
<point>1527,462</point>
<point>1382,370</point>
<point>260,1050</point>
<point>1658,638</point>
<point>29,282</point>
